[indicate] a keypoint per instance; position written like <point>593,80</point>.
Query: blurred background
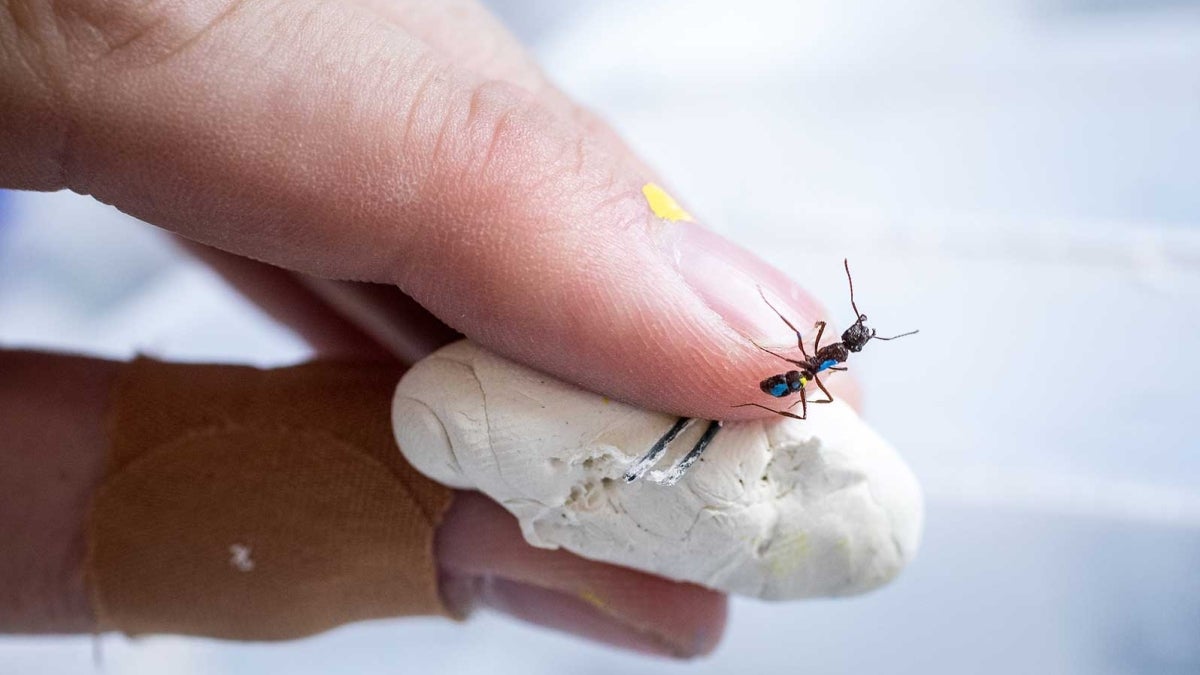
<point>1018,179</point>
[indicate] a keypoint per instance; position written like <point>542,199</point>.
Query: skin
<point>410,144</point>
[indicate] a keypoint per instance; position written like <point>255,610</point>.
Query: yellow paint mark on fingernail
<point>663,205</point>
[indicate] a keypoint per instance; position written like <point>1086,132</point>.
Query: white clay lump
<point>776,509</point>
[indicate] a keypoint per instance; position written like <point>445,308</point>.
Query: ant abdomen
<point>836,352</point>
<point>784,384</point>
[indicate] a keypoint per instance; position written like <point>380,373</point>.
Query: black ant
<point>781,385</point>
<point>825,358</point>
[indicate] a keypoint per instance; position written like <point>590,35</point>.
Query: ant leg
<point>828,396</point>
<point>804,410</point>
<point>795,363</point>
<point>672,475</point>
<point>799,338</point>
<point>820,326</point>
<point>838,368</point>
<point>777,412</point>
<point>803,406</point>
<point>660,446</point>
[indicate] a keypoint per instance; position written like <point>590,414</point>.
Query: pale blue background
<point>1018,179</point>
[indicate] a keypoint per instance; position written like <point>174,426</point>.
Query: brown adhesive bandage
<point>258,505</point>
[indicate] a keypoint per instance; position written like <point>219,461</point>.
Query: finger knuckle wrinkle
<point>139,33</point>
<point>498,127</point>
<point>427,80</point>
<point>513,138</point>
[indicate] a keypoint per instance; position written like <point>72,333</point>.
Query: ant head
<point>857,335</point>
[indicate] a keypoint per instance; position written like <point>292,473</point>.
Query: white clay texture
<point>776,509</point>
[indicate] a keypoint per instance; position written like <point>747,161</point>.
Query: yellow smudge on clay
<point>664,205</point>
<point>789,555</point>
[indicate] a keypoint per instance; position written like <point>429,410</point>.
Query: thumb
<point>313,136</point>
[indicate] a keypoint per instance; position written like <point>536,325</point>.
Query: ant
<point>824,358</point>
<point>781,385</point>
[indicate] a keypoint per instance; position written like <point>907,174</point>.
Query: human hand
<point>413,144</point>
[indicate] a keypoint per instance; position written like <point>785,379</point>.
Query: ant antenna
<point>846,264</point>
<point>911,332</point>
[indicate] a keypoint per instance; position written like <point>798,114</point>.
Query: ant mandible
<point>780,385</point>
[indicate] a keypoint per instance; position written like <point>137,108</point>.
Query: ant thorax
<point>830,355</point>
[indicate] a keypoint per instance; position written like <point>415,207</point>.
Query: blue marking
<point>826,365</point>
<point>779,390</point>
<point>797,385</point>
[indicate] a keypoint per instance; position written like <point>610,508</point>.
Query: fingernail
<point>728,279</point>
<point>578,616</point>
<point>459,594</point>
